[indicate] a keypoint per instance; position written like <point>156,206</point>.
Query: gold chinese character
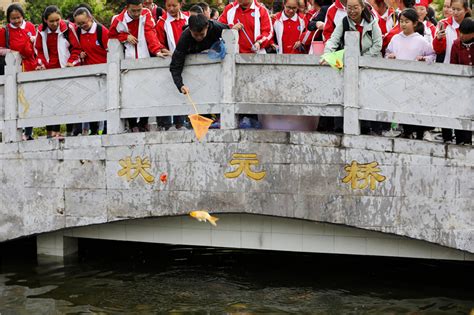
<point>363,175</point>
<point>138,167</point>
<point>245,161</point>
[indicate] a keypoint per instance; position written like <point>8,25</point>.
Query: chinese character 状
<point>244,161</point>
<point>363,175</point>
<point>131,170</point>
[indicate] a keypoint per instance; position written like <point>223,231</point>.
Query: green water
<point>133,278</point>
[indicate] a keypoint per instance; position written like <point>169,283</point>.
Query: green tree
<point>103,10</point>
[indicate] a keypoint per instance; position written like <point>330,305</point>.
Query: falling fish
<point>203,216</point>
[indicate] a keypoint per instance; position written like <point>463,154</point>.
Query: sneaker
<point>427,136</point>
<point>391,133</point>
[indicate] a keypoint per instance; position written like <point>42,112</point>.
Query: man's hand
<point>184,89</point>
<point>256,46</point>
<point>391,56</point>
<point>238,26</point>
<point>132,39</point>
<point>83,55</point>
<point>420,58</point>
<point>297,45</point>
<point>40,67</point>
<point>69,65</point>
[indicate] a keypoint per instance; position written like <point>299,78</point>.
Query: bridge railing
<point>368,89</point>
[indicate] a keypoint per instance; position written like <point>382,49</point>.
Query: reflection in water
<point>124,278</point>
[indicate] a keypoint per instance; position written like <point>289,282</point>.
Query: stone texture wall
<point>48,185</point>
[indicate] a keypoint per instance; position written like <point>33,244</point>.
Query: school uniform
<point>462,54</point>
<point>19,39</point>
<point>287,32</point>
<point>96,53</point>
<point>387,20</point>
<point>169,29</point>
<point>56,49</point>
<point>443,45</point>
<point>95,50</point>
<point>256,21</point>
<point>334,16</point>
<point>143,29</point>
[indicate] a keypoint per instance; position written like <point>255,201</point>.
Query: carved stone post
<point>115,55</point>
<point>351,83</point>
<point>11,132</point>
<point>228,117</point>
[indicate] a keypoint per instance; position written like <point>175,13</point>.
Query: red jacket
<point>462,54</point>
<point>443,45</point>
<point>90,44</point>
<point>334,16</point>
<point>123,25</point>
<point>61,47</point>
<point>169,29</point>
<point>256,21</point>
<point>288,32</point>
<point>20,41</point>
<point>388,37</point>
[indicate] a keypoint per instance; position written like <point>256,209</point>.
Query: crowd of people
<point>393,29</point>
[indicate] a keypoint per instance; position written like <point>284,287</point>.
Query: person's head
<point>83,19</point>
<point>205,9</point>
<point>409,22</point>
<point>405,4</point>
<point>421,7</point>
<point>302,7</point>
<point>460,10</point>
<point>195,10</point>
<point>198,25</point>
<point>379,5</point>
<point>173,7</point>
<point>148,4</point>
<point>214,14</point>
<point>357,10</point>
<point>134,8</point>
<point>245,3</point>
<point>51,18</point>
<point>447,11</point>
<point>466,30</point>
<point>15,14</point>
<point>291,8</point>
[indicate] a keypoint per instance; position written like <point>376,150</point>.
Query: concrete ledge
<point>82,142</point>
<point>6,148</point>
<point>368,142</point>
<point>264,136</point>
<point>419,147</point>
<point>40,145</point>
<point>319,139</point>
<point>123,139</point>
<point>461,152</point>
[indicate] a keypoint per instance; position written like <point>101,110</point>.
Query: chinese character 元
<point>244,161</point>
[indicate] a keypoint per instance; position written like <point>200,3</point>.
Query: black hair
<point>47,12</point>
<point>204,6</point>
<point>198,22</point>
<point>366,14</point>
<point>277,6</point>
<point>14,7</point>
<point>465,4</point>
<point>467,26</point>
<point>431,16</point>
<point>71,16</point>
<point>196,9</point>
<point>134,2</point>
<point>214,11</point>
<point>413,16</point>
<point>409,3</point>
<point>82,10</point>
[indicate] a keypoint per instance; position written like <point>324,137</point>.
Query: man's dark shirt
<point>188,45</point>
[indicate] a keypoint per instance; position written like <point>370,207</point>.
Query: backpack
<point>98,34</point>
<point>346,28</point>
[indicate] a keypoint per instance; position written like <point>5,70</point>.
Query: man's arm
<point>177,65</point>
